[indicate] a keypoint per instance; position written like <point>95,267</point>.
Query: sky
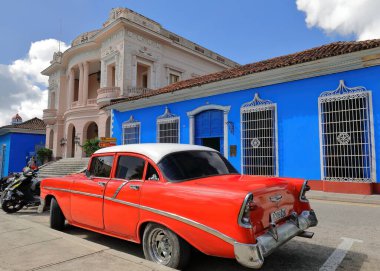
<point>245,31</point>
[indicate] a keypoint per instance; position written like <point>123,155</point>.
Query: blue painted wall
<point>19,145</point>
<point>297,111</point>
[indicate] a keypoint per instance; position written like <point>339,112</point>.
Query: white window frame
<point>165,118</point>
<point>345,93</point>
<point>132,123</point>
<point>170,69</point>
<point>256,105</point>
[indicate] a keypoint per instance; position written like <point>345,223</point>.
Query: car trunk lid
<point>273,197</point>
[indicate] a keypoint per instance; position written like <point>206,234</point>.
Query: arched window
<point>131,131</point>
<point>259,152</point>
<point>346,134</point>
<point>168,128</point>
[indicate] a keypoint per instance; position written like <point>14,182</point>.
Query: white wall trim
<point>131,125</point>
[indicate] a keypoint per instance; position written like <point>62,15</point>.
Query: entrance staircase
<point>63,167</point>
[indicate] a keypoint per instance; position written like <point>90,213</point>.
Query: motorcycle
<point>5,181</point>
<point>23,190</point>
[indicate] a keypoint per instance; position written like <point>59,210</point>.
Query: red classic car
<point>171,197</point>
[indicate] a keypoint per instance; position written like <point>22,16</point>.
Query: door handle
<point>102,183</point>
<point>134,187</point>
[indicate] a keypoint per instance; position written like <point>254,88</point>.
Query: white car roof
<point>154,151</point>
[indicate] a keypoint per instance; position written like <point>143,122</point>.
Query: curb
<point>348,198</point>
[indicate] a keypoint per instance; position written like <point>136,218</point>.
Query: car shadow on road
<point>297,254</point>
<point>108,241</point>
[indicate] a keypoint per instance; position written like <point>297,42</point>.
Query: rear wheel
<point>12,205</point>
<point>163,246</point>
<point>57,219</point>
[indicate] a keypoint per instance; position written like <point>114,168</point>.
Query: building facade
<point>18,142</point>
<point>313,114</point>
<point>129,56</point>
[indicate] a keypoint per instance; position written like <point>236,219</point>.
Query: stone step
<point>64,167</point>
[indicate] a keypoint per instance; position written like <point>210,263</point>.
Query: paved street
<point>353,227</point>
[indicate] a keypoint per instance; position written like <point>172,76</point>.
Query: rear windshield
<point>182,166</point>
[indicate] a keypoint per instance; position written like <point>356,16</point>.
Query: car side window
<point>151,173</point>
<point>101,166</point>
<point>130,168</point>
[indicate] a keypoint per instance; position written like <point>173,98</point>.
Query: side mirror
<point>88,174</point>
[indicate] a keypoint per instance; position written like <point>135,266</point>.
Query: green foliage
<point>44,155</point>
<point>91,146</point>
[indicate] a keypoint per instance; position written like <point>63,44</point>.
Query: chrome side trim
<point>178,218</point>
<point>74,192</point>
<point>241,213</point>
<point>118,189</point>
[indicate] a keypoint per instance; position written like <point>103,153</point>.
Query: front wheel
<point>57,219</point>
<point>163,246</point>
<point>11,203</point>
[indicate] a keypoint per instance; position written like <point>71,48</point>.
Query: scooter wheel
<point>12,205</point>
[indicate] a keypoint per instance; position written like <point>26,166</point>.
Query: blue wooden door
<point>208,125</point>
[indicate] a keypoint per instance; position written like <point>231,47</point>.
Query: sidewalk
<point>27,245</point>
<point>366,199</point>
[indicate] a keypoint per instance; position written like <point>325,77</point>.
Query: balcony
<point>74,104</point>
<point>50,116</point>
<point>135,91</point>
<point>106,94</point>
<point>91,102</point>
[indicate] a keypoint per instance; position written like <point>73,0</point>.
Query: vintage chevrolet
<point>175,197</point>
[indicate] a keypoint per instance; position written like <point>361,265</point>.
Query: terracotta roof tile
<point>325,51</point>
<point>32,124</point>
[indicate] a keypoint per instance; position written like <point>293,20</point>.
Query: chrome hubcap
<point>161,246</point>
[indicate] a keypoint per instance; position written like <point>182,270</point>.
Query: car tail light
<point>248,205</point>
<point>304,189</point>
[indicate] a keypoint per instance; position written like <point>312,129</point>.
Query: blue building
<point>313,114</point>
<point>18,142</point>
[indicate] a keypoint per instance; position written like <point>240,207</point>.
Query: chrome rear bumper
<point>252,255</point>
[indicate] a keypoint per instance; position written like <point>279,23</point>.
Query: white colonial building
<point>130,55</point>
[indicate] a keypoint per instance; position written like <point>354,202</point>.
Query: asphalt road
<point>347,238</point>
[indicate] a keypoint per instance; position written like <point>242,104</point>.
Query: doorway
<point>212,142</point>
<point>209,129</point>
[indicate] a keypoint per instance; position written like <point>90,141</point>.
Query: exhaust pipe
<point>306,234</point>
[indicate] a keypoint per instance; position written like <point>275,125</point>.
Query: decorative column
<point>191,130</point>
<point>70,93</point>
<point>103,74</point>
<point>134,72</point>
<point>80,91</point>
<point>225,131</point>
<point>85,82</point>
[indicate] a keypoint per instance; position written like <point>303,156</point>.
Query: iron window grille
<point>131,131</point>
<point>168,127</point>
<point>259,137</point>
<point>346,135</point>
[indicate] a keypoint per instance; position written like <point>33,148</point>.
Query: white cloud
<point>23,89</point>
<point>345,17</point>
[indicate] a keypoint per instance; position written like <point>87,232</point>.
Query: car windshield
<point>182,166</point>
